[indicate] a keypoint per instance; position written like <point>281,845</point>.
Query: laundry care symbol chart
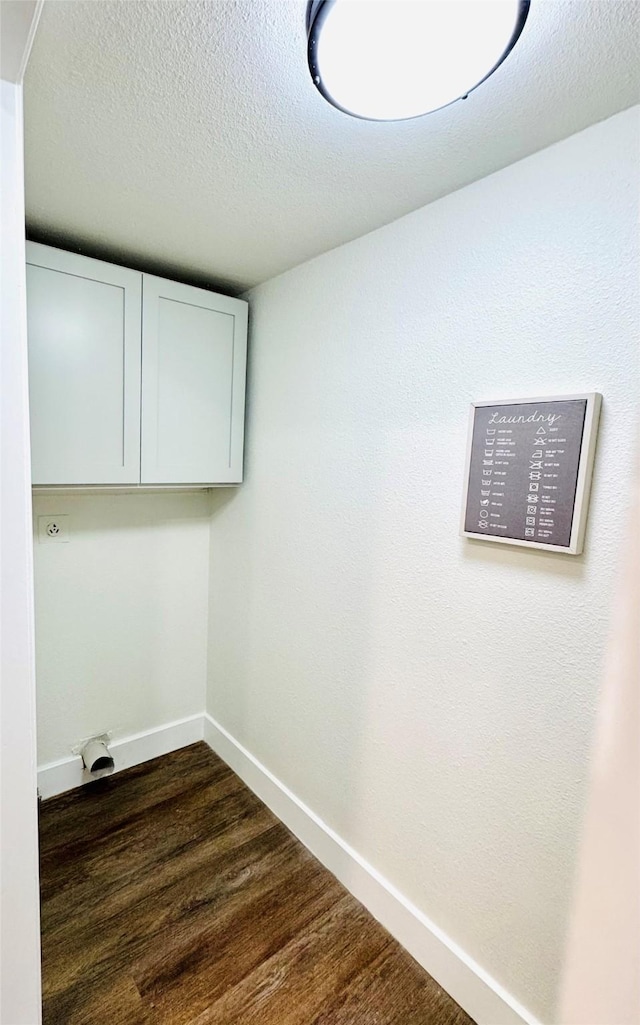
<point>529,467</point>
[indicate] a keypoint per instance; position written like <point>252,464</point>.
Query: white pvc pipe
<point>97,758</point>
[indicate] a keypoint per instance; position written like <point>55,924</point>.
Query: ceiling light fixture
<point>389,60</point>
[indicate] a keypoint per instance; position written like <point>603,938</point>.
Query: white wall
<point>19,896</point>
<point>432,698</point>
<point>121,615</point>
<point>601,977</point>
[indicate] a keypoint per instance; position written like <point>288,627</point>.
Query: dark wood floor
<point>171,895</point>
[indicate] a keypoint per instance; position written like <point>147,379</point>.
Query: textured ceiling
<point>187,137</point>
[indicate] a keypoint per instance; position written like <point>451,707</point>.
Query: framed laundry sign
<point>528,471</point>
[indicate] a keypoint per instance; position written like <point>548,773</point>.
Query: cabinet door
<point>194,350</point>
<point>84,369</point>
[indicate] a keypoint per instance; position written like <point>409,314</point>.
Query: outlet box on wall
<point>53,529</point>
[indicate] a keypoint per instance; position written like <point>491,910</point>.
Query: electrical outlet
<point>53,528</point>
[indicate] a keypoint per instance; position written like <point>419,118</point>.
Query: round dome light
<point>389,60</point>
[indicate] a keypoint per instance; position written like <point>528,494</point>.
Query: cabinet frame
<point>130,281</point>
<point>141,467</point>
<point>153,290</point>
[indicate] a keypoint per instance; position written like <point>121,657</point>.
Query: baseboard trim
<point>477,993</point>
<point>484,999</point>
<point>67,773</point>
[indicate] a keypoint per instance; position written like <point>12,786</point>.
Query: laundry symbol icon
<point>484,493</point>
<point>491,430</point>
<point>484,501</point>
<point>541,430</point>
<point>537,455</point>
<point>529,532</point>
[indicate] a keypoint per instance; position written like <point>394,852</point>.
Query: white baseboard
<point>477,993</point>
<point>68,773</point>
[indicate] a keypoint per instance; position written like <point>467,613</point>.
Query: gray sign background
<point>523,470</point>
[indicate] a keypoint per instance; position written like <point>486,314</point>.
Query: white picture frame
<point>584,474</point>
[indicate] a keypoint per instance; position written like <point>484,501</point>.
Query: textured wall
<point>432,698</point>
<point>121,615</point>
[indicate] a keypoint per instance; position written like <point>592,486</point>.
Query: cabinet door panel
<point>84,369</point>
<point>193,380</point>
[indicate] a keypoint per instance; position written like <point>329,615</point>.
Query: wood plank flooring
<point>172,896</point>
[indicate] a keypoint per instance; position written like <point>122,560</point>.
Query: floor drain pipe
<point>97,758</point>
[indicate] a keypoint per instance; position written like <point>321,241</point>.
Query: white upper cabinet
<point>84,369</point>
<point>193,382</point>
<point>133,379</point>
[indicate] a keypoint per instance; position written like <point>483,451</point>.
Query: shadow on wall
<point>121,615</point>
<point>303,622</point>
<point>110,510</point>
